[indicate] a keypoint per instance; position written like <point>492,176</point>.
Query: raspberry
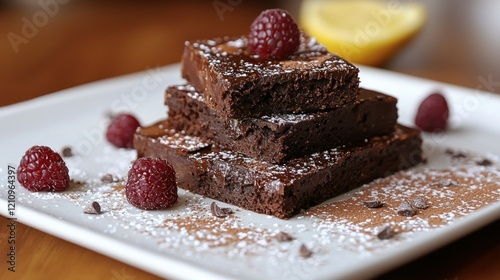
<point>432,115</point>
<point>121,130</point>
<point>274,34</point>
<point>151,184</point>
<point>42,169</point>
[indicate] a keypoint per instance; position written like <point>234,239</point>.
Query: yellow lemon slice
<point>362,31</point>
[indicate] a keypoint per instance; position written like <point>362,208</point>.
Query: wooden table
<point>90,40</point>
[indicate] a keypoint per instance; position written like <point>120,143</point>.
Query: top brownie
<point>237,84</point>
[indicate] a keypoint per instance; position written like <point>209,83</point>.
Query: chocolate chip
<point>66,151</point>
<point>484,162</point>
<point>455,154</point>
<point>304,251</point>
<point>93,208</point>
<point>405,209</point>
<point>373,203</point>
<point>109,115</point>
<point>218,211</point>
<point>444,183</point>
<point>420,203</point>
<point>107,178</point>
<point>283,237</point>
<point>76,183</point>
<point>385,232</point>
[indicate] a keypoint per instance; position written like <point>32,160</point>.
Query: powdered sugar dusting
<point>229,57</point>
<point>282,119</point>
<point>278,119</point>
<point>476,187</point>
<point>186,143</point>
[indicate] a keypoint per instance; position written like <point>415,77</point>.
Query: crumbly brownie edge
<point>241,186</point>
<point>280,138</point>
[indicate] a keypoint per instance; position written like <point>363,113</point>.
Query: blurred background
<point>49,45</point>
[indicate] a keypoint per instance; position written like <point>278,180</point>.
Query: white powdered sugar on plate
<point>343,224</point>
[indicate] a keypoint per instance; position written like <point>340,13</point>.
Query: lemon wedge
<point>362,31</point>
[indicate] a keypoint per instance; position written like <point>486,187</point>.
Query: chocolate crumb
<point>405,209</point>
<point>226,211</point>
<point>373,203</point>
<point>76,182</point>
<point>66,151</point>
<point>420,203</point>
<point>218,211</point>
<point>484,162</point>
<point>107,178</point>
<point>444,183</point>
<point>93,208</point>
<point>109,115</point>
<point>304,251</point>
<point>283,237</point>
<point>455,154</point>
<point>385,233</point>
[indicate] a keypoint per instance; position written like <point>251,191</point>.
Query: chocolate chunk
<point>484,162</point>
<point>93,208</point>
<point>420,203</point>
<point>385,232</point>
<point>107,178</point>
<point>405,209</point>
<point>218,211</point>
<point>66,151</point>
<point>304,251</point>
<point>373,203</point>
<point>283,237</point>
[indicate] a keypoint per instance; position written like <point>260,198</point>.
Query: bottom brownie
<point>279,190</point>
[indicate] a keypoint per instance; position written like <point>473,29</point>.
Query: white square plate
<point>76,117</point>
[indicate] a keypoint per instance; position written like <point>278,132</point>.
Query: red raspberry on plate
<point>432,115</point>
<point>121,130</point>
<point>274,34</point>
<point>42,169</point>
<point>151,184</point>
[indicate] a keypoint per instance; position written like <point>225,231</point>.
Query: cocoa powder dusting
<point>473,190</point>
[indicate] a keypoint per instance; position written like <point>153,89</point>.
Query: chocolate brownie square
<point>237,84</point>
<point>281,137</point>
<point>279,190</point>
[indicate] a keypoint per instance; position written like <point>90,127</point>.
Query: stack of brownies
<point>276,136</point>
